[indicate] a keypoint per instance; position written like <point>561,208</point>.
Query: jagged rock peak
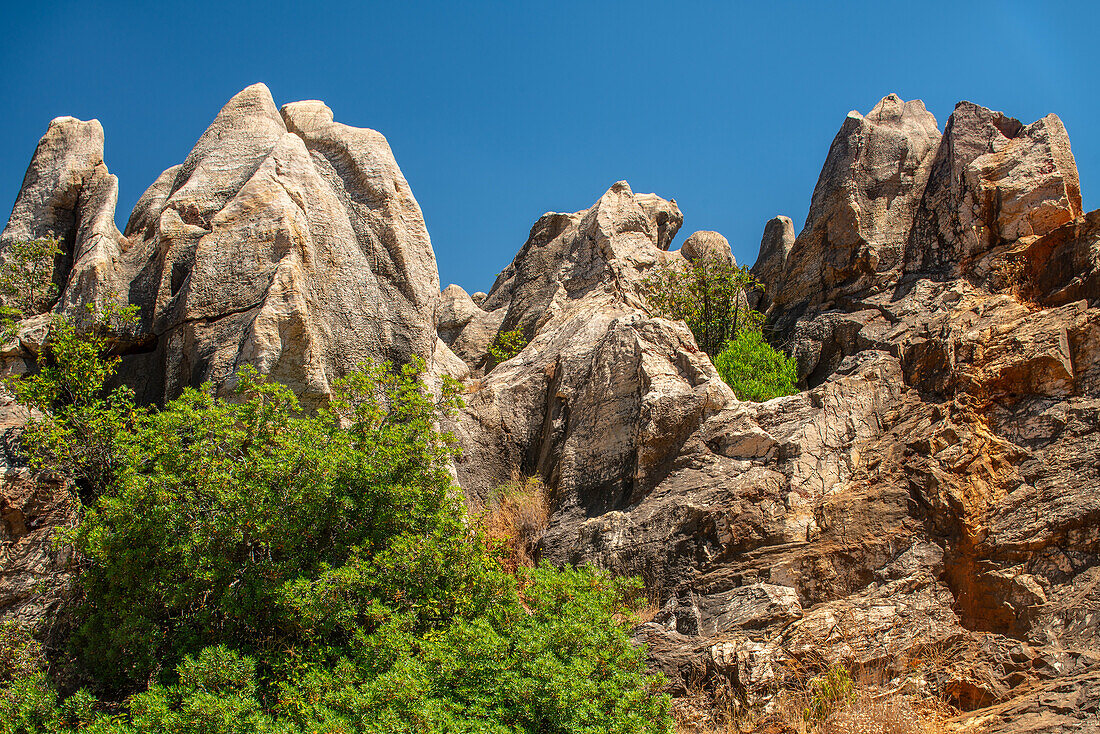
<point>862,207</point>
<point>993,181</point>
<point>300,252</point>
<point>771,261</point>
<point>606,248</point>
<point>68,158</point>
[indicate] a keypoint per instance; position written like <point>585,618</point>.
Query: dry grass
<point>515,517</point>
<point>711,709</point>
<point>822,700</point>
<point>867,714</point>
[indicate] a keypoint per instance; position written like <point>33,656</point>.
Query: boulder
<point>707,244</point>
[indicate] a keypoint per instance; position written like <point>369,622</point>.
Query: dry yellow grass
<point>858,704</point>
<point>515,517</point>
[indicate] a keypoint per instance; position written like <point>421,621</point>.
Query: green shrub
<point>754,369</point>
<point>247,567</point>
<point>506,345</point>
<point>74,421</point>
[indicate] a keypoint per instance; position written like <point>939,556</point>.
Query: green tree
<point>708,294</point>
<point>26,278</point>
<point>250,567</point>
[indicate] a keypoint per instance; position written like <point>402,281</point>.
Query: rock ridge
<point>931,488</point>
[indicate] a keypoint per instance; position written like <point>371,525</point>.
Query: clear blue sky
<point>500,111</point>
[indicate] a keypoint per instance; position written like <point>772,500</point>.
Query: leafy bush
<point>708,295</point>
<point>248,567</point>
<point>755,369</point>
<point>20,653</point>
<point>73,420</point>
<point>26,280</point>
<point>506,345</point>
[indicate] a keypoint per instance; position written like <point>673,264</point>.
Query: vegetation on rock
<point>26,279</point>
<point>247,567</point>
<point>754,369</point>
<point>708,294</point>
<point>506,345</point>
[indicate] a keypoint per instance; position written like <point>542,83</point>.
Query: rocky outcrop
<point>707,244</point>
<point>775,246</point>
<point>284,241</point>
<point>465,327</point>
<point>925,509</point>
<point>928,492</point>
<point>993,181</point>
<point>862,209</point>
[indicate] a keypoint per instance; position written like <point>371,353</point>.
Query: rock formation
<point>707,244</point>
<point>930,495</point>
<point>775,246</point>
<point>284,241</point>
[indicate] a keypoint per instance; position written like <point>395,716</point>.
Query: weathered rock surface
<point>925,509</point>
<point>933,490</point>
<point>284,241</point>
<point>707,244</point>
<point>993,181</point>
<point>775,246</point>
<point>862,209</point>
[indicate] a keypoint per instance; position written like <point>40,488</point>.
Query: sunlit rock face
<point>932,488</point>
<point>284,241</point>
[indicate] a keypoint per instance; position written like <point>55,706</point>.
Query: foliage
<point>827,691</point>
<point>708,294</point>
<point>754,369</point>
<point>20,653</point>
<point>73,420</point>
<point>248,567</point>
<point>238,521</point>
<point>26,279</point>
<point>506,345</point>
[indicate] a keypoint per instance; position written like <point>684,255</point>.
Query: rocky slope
<point>926,509</point>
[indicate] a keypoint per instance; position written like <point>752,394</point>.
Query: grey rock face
<point>862,208</point>
<point>933,488</point>
<point>284,241</point>
<point>771,262</point>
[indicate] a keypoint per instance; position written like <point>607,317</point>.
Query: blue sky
<point>500,111</point>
